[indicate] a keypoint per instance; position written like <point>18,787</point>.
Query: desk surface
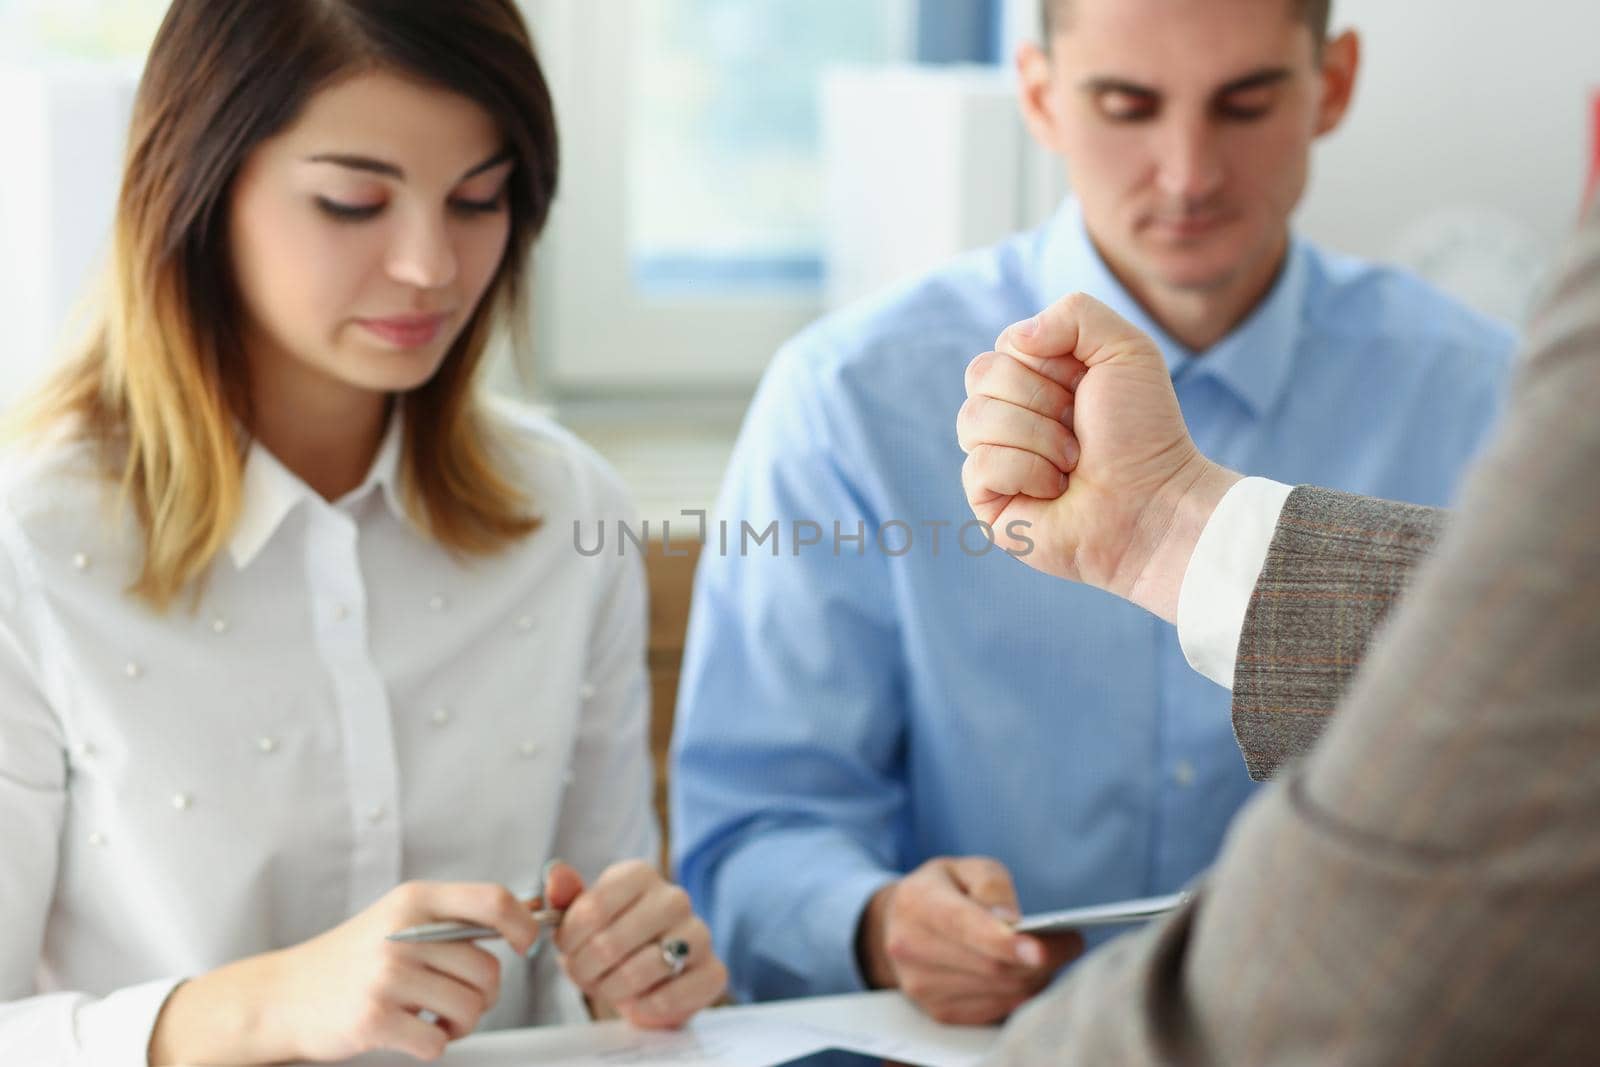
<point>882,1023</point>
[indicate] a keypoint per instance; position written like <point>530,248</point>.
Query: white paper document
<point>726,1039</point>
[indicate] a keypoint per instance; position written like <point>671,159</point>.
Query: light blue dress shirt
<point>850,709</point>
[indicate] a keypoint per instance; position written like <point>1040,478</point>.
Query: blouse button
<point>441,716</point>
<point>525,623</point>
<point>437,602</point>
<point>85,750</point>
<point>81,561</point>
<point>182,801</point>
<point>219,625</point>
<point>529,749</point>
<point>586,691</point>
<point>341,612</point>
<point>97,839</point>
<point>133,671</point>
<point>376,814</point>
<point>266,745</point>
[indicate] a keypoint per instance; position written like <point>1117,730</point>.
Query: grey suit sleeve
<point>1422,888</point>
<point>1336,565</point>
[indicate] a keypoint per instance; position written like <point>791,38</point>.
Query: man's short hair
<point>1315,13</point>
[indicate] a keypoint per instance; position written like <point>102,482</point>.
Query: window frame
<point>597,332</point>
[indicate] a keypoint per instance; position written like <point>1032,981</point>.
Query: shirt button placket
<point>344,643</point>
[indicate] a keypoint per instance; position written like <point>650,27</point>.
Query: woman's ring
<point>675,954</point>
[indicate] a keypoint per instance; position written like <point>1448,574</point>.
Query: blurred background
<point>734,168</point>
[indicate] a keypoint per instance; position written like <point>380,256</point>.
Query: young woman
<point>293,653</point>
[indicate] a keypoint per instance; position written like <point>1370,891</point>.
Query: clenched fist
<point>1071,425</point>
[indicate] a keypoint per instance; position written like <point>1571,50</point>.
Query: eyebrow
<point>389,170</point>
<point>1256,80</point>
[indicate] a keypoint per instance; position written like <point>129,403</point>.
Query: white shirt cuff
<point>115,1031</point>
<point>1222,575</point>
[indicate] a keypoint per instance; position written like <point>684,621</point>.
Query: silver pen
<point>454,931</point>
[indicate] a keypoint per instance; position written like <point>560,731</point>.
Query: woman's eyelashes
<point>343,212</point>
<point>493,206</point>
<point>462,206</point>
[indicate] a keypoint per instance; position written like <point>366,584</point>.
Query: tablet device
<point>842,1057</point>
<point>1120,913</point>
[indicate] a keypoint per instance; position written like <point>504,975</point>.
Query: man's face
<point>1187,128</point>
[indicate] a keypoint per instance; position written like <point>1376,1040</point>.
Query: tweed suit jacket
<point>1424,888</point>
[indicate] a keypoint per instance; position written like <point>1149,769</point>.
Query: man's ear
<point>1036,95</point>
<point>1341,60</point>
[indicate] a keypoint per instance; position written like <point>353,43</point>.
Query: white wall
<point>64,128</point>
<point>1467,149</point>
<point>920,163</point>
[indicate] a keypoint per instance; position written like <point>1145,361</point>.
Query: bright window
<point>724,169</point>
<point>686,242</point>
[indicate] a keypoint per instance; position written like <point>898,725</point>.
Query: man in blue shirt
<point>872,772</point>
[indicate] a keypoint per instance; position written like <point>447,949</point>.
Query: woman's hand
<point>350,991</point>
<point>612,937</point>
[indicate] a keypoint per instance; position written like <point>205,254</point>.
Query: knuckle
<point>994,970</point>
<point>370,1022</point>
<point>635,869</point>
<point>579,914</point>
<point>391,967</point>
<point>497,900</point>
<point>1060,436</point>
<point>489,978</point>
<point>605,949</point>
<point>981,366</point>
<point>1038,395</point>
<point>677,900</point>
<point>906,903</point>
<point>969,470</point>
<point>584,914</point>
<point>652,1008</point>
<point>615,986</point>
<point>985,866</point>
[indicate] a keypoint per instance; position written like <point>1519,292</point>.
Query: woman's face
<point>365,235</point>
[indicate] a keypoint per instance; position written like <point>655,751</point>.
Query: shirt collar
<point>1252,362</point>
<point>271,491</point>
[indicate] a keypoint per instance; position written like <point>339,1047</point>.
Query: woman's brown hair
<point>161,385</point>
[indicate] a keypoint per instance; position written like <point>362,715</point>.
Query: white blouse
<point>349,707</point>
